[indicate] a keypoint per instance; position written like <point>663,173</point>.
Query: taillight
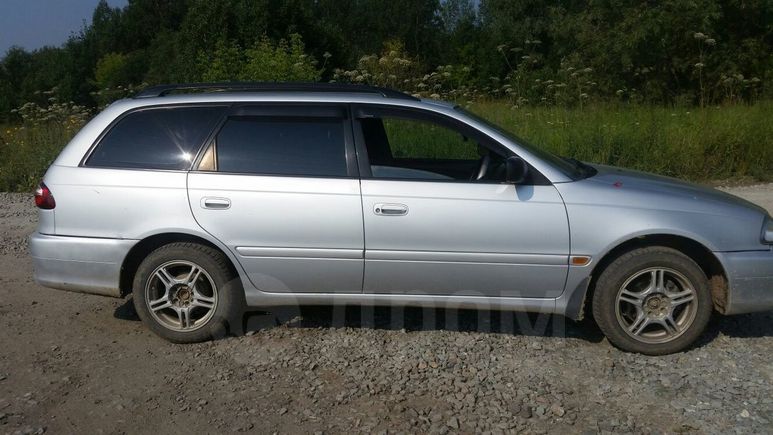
<point>44,198</point>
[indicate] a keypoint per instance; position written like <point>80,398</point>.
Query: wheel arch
<point>698,252</point>
<point>141,249</point>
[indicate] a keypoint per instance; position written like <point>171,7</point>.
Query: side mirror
<point>517,170</point>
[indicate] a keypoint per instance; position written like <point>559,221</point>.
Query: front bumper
<point>83,264</point>
<point>750,279</point>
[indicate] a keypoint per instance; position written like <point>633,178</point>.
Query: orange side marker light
<point>579,260</point>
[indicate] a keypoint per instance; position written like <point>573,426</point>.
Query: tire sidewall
<point>229,307</point>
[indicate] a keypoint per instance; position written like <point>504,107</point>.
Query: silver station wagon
<point>202,200</point>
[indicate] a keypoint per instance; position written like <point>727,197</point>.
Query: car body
<point>350,231</point>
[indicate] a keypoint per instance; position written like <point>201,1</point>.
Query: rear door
<point>278,185</point>
<point>440,219</point>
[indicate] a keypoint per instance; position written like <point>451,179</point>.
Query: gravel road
<point>73,363</point>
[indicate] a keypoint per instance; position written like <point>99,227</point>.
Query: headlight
<point>767,231</point>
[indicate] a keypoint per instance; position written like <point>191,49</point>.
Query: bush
<point>264,61</point>
<point>28,149</point>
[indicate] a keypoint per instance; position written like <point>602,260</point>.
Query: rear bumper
<point>82,264</point>
<point>750,276</point>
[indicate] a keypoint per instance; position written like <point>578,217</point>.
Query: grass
<point>27,150</point>
<point>715,143</point>
<point>423,140</point>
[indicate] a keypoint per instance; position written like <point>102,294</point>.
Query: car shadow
<point>126,311</point>
<point>423,319</point>
<point>752,325</point>
<point>404,318</point>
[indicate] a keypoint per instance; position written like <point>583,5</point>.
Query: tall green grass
<point>715,143</point>
<point>27,150</point>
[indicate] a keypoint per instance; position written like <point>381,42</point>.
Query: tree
<point>671,51</point>
<point>111,71</point>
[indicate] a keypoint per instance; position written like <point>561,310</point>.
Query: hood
<point>685,192</point>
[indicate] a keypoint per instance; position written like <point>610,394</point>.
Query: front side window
<point>414,139</point>
<point>267,145</point>
<point>572,168</point>
<point>400,147</point>
<point>162,138</point>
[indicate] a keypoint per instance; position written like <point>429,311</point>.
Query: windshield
<point>572,168</point>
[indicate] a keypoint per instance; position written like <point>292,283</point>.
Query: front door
<point>278,185</point>
<point>440,219</point>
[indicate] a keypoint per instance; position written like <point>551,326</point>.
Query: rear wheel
<point>185,293</point>
<point>652,300</point>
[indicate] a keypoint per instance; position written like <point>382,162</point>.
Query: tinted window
<point>167,138</point>
<point>415,149</point>
<point>424,140</point>
<point>571,168</point>
<point>282,146</point>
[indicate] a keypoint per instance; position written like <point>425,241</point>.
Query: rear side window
<point>302,146</point>
<point>164,138</point>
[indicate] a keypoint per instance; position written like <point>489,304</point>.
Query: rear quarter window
<point>162,138</point>
<point>301,146</point>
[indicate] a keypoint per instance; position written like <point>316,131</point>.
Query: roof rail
<point>163,90</point>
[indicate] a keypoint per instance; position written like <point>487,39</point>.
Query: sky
<point>33,24</point>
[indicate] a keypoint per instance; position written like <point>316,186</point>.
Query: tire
<point>653,301</point>
<point>187,293</point>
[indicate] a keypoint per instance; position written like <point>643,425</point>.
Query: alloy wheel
<point>181,295</point>
<point>656,305</point>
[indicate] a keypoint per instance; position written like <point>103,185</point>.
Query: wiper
<point>585,170</point>
<point>577,164</point>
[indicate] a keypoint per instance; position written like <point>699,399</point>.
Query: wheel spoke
<point>184,315</point>
<point>681,297</point>
<point>192,277</point>
<point>166,278</point>
<point>657,280</point>
<point>638,325</point>
<point>670,325</point>
<point>633,298</point>
<point>200,300</point>
<point>160,303</point>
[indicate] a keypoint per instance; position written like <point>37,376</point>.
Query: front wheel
<point>652,300</point>
<point>186,293</point>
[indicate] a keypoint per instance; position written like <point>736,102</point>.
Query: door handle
<point>390,209</point>
<point>215,203</point>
